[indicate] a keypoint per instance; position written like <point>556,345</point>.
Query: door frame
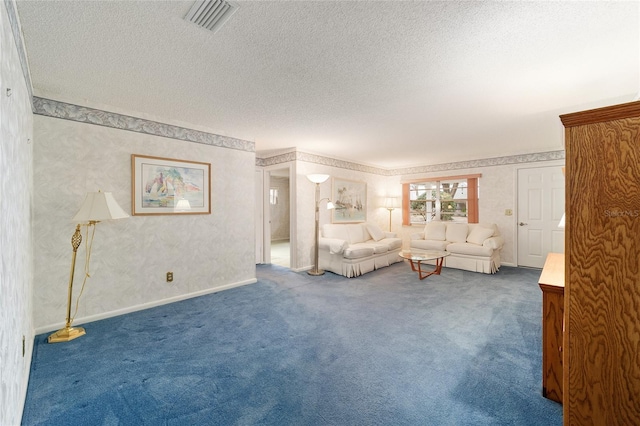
<point>516,195</point>
<point>266,228</point>
<point>259,218</point>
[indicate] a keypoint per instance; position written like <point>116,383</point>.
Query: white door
<point>540,208</point>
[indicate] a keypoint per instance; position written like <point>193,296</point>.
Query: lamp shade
<point>390,203</point>
<point>317,178</point>
<point>99,206</point>
<point>182,205</point>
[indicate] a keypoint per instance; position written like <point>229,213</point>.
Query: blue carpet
<point>461,348</point>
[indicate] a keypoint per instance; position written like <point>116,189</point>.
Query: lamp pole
<point>316,271</point>
<point>317,179</point>
<point>390,204</point>
<point>97,206</point>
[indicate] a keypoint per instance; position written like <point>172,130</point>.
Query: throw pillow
<point>478,234</point>
<point>374,230</point>
<point>457,232</point>
<point>435,231</point>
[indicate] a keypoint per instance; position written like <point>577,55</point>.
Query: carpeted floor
<point>461,348</point>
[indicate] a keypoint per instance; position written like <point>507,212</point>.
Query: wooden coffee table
<point>417,257</point>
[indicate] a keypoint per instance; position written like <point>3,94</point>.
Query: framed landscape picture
<point>350,199</point>
<point>169,186</point>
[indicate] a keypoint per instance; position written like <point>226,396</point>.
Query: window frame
<point>472,195</point>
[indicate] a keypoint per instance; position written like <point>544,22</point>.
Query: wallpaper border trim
<point>66,111</point>
<point>12,14</point>
<point>485,162</point>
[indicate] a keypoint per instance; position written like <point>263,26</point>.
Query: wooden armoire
<point>601,349</point>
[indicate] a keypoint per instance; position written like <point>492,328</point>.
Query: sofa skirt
<point>355,267</point>
<point>485,265</point>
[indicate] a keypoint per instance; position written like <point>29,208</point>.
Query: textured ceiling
<point>390,84</point>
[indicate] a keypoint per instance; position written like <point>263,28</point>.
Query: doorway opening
<point>280,217</point>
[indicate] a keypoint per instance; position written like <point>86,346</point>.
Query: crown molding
<point>66,111</point>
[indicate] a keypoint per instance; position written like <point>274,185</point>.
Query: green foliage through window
<point>443,200</point>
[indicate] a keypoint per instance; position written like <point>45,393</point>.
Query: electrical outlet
<point>169,277</point>
<point>508,212</point>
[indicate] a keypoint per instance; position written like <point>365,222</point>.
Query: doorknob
<point>522,224</point>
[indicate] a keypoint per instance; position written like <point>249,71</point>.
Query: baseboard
<point>110,314</point>
<point>508,264</point>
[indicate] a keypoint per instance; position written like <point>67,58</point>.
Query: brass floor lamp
<point>318,179</point>
<point>97,207</point>
<point>390,204</point>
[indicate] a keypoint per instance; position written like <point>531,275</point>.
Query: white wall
<point>131,256</point>
<point>16,242</point>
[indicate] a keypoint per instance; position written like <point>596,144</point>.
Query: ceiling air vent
<point>211,14</point>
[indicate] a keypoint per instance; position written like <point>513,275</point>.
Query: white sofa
<point>356,248</point>
<point>473,247</point>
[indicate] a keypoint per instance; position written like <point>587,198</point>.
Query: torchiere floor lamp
<point>390,204</point>
<point>318,179</point>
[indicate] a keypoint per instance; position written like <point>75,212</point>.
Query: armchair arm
<point>332,245</point>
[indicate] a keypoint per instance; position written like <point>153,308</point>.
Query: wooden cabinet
<point>552,285</point>
<point>602,267</point>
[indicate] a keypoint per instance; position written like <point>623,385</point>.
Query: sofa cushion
<point>392,243</point>
<point>429,244</point>
<point>478,234</point>
<point>374,230</point>
<point>469,249</point>
<point>357,233</point>
<point>493,226</point>
<point>330,230</point>
<point>377,247</point>
<point>457,232</point>
<point>435,231</point>
<point>358,251</point>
